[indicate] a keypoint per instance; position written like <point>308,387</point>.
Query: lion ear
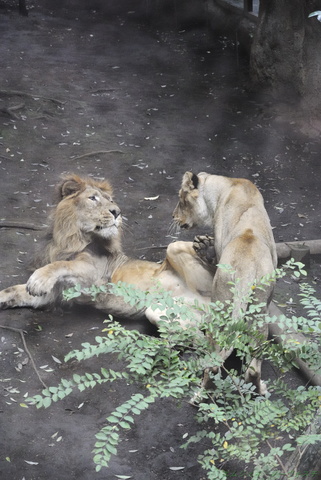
<point>190,181</point>
<point>105,186</point>
<point>70,186</point>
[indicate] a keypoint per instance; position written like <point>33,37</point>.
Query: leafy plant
<point>172,365</point>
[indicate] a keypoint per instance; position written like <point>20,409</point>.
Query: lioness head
<point>191,209</point>
<point>86,206</point>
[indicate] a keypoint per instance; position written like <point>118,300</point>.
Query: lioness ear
<point>190,181</point>
<point>195,180</point>
<point>70,185</point>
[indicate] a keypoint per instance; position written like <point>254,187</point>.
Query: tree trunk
<point>286,50</point>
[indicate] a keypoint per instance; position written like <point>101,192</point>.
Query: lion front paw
<point>7,298</point>
<point>39,284</point>
<point>204,247</point>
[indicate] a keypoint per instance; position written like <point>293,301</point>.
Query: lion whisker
<point>174,228</point>
<point>126,228</point>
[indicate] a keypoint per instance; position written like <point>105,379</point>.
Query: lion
<point>83,246</point>
<point>243,239</point>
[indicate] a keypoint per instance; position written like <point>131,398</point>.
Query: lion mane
<point>66,236</point>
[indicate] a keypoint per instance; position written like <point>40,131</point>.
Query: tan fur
<point>68,234</point>
<point>243,237</point>
<point>83,247</point>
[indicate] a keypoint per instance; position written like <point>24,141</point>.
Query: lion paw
<point>204,247</point>
<point>7,299</point>
<point>39,285</point>
<point>263,388</point>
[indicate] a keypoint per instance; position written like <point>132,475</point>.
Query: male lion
<point>243,238</point>
<point>83,246</point>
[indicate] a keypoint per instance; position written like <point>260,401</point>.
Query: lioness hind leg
<point>183,259</point>
<point>253,375</point>
<point>17,296</point>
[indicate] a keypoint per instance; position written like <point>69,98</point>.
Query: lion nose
<point>115,212</point>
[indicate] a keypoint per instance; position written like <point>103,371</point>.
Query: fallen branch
<point>276,331</point>
<point>26,226</point>
<point>155,247</point>
<point>102,90</point>
<point>31,95</point>
<point>283,249</point>
<point>304,462</point>
<point>99,152</point>
<point>21,332</point>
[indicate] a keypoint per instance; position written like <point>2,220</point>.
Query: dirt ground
<point>161,92</point>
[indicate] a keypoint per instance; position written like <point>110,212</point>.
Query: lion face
<point>191,209</point>
<point>97,213</point>
<point>85,215</point>
<point>86,206</point>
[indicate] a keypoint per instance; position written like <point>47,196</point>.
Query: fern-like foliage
<point>172,365</point>
<point>121,418</point>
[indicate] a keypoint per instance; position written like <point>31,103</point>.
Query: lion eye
<point>93,198</point>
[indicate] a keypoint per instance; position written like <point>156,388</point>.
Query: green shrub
<point>172,365</point>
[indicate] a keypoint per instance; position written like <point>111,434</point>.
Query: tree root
<point>10,111</point>
<point>31,95</point>
<point>284,249</point>
<point>21,332</point>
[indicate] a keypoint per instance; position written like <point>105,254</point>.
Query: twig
<point>31,95</point>
<point>21,332</point>
<point>16,107</point>
<point>233,381</point>
<point>278,460</point>
<point>91,154</point>
<point>160,247</point>
<point>26,226</point>
<point>9,111</point>
<point>102,90</point>
<point>4,157</point>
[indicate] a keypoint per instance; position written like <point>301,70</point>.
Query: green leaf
<point>112,419</point>
<point>308,439</point>
<point>124,425</point>
<point>46,402</point>
<point>76,378</point>
<point>111,449</point>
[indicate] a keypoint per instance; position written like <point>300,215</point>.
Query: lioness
<point>243,237</point>
<point>83,246</point>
